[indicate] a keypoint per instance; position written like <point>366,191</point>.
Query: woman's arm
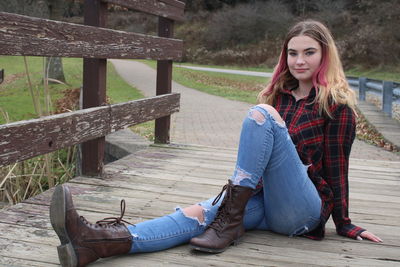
<point>339,137</point>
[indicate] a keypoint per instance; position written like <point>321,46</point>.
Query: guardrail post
<point>94,90</point>
<point>387,97</point>
<point>164,80</point>
<point>362,88</point>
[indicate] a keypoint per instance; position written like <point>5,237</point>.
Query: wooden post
<point>164,80</point>
<point>94,90</point>
<point>387,97</point>
<point>362,88</point>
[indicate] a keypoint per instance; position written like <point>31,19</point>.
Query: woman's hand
<point>369,236</point>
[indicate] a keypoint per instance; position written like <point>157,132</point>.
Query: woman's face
<point>304,57</point>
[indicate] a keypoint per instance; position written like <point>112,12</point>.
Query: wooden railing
<point>28,36</point>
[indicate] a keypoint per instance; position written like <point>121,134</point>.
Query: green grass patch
<point>153,64</point>
<point>15,97</point>
<point>257,68</point>
<point>232,86</point>
<point>382,73</point>
<point>16,100</point>
<point>118,90</point>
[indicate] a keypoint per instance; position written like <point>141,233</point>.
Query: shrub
<point>246,24</point>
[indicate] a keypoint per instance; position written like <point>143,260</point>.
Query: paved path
<point>203,119</point>
<point>212,120</point>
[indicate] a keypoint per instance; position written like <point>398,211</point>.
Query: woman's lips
<point>301,70</point>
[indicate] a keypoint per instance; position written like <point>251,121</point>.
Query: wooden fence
<point>28,36</point>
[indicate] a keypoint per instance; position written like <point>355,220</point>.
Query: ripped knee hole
<point>194,212</point>
<point>257,116</point>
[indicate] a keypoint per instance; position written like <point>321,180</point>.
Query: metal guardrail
<point>389,90</point>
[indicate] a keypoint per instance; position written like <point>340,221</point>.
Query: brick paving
<point>210,120</point>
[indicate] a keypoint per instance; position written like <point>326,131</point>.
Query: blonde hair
<point>329,80</point>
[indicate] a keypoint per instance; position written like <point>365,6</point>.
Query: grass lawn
<point>259,68</point>
<point>379,73</point>
<point>383,73</point>
<point>16,100</point>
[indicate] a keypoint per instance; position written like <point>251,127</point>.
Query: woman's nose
<point>300,60</point>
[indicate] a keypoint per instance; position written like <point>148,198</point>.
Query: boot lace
<point>223,210</point>
<point>114,220</point>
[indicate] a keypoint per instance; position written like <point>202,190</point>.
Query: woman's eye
<point>292,54</point>
<point>309,53</point>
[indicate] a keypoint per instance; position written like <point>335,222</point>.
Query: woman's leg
<point>292,203</point>
<point>255,147</point>
<point>179,227</point>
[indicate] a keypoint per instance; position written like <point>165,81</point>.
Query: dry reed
<point>28,178</point>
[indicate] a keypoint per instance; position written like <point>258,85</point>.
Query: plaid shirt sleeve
<point>339,136</point>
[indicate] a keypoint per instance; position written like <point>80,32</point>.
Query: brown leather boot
<point>227,227</point>
<point>81,241</point>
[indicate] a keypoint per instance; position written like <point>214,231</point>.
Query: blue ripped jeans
<point>288,202</point>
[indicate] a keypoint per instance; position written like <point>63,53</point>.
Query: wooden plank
<point>252,239</point>
<point>48,237</point>
<point>12,261</point>
<point>382,169</point>
<point>28,251</point>
<point>170,9</point>
<point>94,91</point>
<point>93,211</point>
<point>148,194</point>
<point>28,36</point>
<point>89,204</point>
<point>130,113</point>
<point>26,139</point>
<point>163,195</point>
<point>153,188</point>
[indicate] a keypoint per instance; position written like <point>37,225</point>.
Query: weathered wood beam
<point>170,9</point>
<point>164,82</point>
<point>94,91</point>
<point>28,36</point>
<point>26,139</point>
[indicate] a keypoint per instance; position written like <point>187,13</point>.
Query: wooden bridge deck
<point>155,180</point>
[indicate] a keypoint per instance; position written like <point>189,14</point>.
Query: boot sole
<point>66,252</point>
<point>215,250</point>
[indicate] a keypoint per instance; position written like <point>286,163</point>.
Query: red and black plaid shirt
<point>323,143</point>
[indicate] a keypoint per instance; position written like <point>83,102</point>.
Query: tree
<point>35,8</point>
<point>54,64</point>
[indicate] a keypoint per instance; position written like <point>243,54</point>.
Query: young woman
<point>291,172</point>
